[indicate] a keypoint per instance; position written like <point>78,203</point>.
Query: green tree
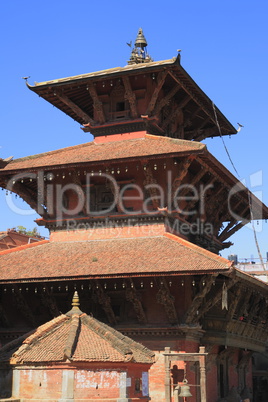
<point>33,232</point>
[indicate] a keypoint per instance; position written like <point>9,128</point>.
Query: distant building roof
<point>12,238</point>
<point>77,337</point>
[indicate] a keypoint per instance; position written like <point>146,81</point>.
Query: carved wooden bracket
<point>183,170</point>
<point>163,102</point>
<point>164,297</point>
<point>211,302</point>
<point>23,307</point>
<point>133,297</point>
<point>191,315</point>
<point>96,103</point>
<point>3,317</point>
<point>50,303</point>
<point>149,180</point>
<point>130,96</point>
<point>105,302</point>
<point>160,82</point>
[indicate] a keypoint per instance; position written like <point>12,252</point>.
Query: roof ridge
<point>45,328</point>
<point>24,246</point>
<point>194,144</point>
<point>126,140</point>
<point>120,342</point>
<point>103,240</point>
<point>107,333</point>
<point>36,335</point>
<point>199,250</point>
<point>72,336</point>
<point>102,72</point>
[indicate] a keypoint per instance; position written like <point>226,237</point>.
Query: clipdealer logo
<point>171,200</point>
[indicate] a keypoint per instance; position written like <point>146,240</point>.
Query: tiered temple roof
<point>115,257</point>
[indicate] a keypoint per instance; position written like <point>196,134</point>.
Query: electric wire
<point>248,192</point>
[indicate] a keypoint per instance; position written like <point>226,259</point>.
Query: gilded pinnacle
<point>75,301</point>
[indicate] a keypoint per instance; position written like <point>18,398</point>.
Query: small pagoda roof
<point>73,96</point>
<point>75,337</point>
<point>105,258</point>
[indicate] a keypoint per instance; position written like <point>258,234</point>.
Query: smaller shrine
<point>75,357</point>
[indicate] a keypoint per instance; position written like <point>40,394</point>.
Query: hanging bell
<point>185,389</point>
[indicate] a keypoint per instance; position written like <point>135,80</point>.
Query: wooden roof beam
<point>160,82</point>
<point>191,316</point>
<point>163,102</point>
<point>193,182</point>
<point>130,96</point>
<point>186,89</point>
<point>97,104</point>
<point>79,112</point>
<point>214,300</point>
<point>28,196</point>
<point>177,110</point>
<point>232,231</point>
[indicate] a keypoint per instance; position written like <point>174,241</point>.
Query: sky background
<point>224,49</point>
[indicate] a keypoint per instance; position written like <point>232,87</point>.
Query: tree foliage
<point>29,232</point>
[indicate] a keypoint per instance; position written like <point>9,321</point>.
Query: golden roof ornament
<point>139,52</point>
<point>75,301</point>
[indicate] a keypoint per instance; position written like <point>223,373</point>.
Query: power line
<point>248,192</point>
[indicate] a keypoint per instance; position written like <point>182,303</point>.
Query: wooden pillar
<point>202,366</point>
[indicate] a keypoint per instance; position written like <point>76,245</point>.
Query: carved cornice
<point>179,332</point>
<point>102,222</point>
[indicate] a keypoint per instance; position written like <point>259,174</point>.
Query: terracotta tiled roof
<point>102,258</point>
<point>78,337</point>
<point>97,152</point>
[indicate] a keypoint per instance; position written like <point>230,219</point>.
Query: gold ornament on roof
<point>139,52</point>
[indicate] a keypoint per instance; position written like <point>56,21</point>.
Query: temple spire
<point>75,301</point>
<point>139,52</point>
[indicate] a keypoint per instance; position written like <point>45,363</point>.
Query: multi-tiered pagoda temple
<point>137,218</point>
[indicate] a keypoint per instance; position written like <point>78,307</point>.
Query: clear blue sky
<point>224,49</point>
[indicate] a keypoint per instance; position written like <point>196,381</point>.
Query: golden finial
<point>139,53</point>
<point>75,301</point>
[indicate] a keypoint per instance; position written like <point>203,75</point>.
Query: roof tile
<point>97,152</point>
<point>87,340</point>
<point>99,258</point>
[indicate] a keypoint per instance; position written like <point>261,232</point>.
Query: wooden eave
<point>71,95</point>
<point>254,282</point>
<point>202,157</point>
<point>261,210</point>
